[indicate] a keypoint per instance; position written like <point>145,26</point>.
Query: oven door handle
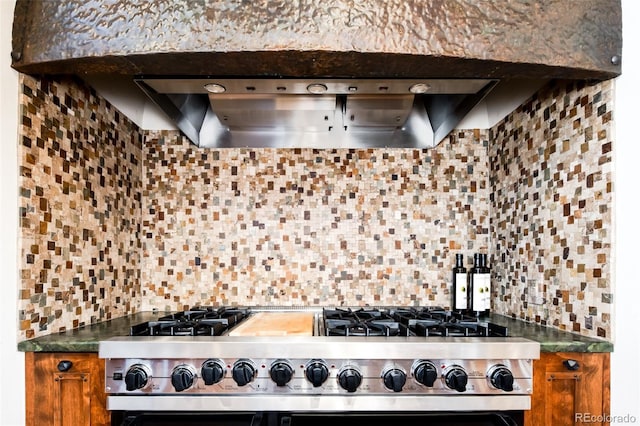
<point>507,420</point>
<point>285,421</point>
<point>257,419</point>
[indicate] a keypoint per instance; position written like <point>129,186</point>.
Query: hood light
<point>215,88</point>
<point>419,88</point>
<point>316,88</point>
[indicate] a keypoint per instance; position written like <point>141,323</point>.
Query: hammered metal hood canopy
<point>367,54</point>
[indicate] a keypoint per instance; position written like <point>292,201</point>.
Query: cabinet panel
<point>563,391</point>
<point>567,386</point>
<point>73,397</point>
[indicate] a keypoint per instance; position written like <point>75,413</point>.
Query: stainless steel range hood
<point>315,113</point>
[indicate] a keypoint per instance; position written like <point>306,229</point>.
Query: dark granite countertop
<point>86,339</point>
<point>551,339</point>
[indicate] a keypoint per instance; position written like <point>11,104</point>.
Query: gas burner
<point>202,327</point>
<point>369,328</point>
<point>360,322</point>
<point>406,321</point>
<point>361,314</point>
<point>438,322</point>
<point>194,322</point>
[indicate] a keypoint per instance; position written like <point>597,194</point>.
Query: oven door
<point>155,418</point>
<point>386,419</point>
<point>159,418</point>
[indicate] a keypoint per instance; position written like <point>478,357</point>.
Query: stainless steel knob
<point>501,378</point>
<point>243,372</point>
<point>349,378</point>
<point>317,372</point>
<point>425,372</point>
<point>182,377</point>
<point>212,371</point>
<point>281,372</point>
<point>394,379</point>
<point>456,378</point>
<point>137,377</point>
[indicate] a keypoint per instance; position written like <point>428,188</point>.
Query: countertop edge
<point>594,347</point>
<point>29,346</point>
<point>35,346</point>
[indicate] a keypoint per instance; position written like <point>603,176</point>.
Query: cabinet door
<point>72,397</point>
<point>569,389</point>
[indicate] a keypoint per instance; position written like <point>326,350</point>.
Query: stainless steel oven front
<point>308,380</point>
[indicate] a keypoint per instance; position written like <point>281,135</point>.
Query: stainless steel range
<point>383,360</point>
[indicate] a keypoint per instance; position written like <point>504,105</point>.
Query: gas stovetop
<point>348,322</point>
<point>398,358</point>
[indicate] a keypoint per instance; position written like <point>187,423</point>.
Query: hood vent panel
<point>318,113</point>
<point>266,112</point>
<point>377,111</point>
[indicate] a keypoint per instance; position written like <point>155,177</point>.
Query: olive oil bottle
<point>487,283</point>
<point>459,290</point>
<point>477,278</point>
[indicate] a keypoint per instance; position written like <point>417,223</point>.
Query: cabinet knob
<point>65,365</point>
<point>571,364</point>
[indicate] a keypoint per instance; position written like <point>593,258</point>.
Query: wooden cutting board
<point>275,324</point>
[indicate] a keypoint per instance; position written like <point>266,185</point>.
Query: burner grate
<point>199,321</point>
<point>406,321</point>
<point>360,322</point>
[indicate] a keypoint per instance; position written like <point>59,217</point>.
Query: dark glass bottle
<point>476,286</point>
<point>459,287</point>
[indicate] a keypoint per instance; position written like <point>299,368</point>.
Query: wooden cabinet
<point>63,394</point>
<point>569,388</point>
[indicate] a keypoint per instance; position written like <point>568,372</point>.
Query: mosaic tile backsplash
<point>80,194</point>
<point>551,208</point>
<point>115,220</point>
<point>309,227</point>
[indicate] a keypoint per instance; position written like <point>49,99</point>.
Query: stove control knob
<point>137,377</point>
<point>349,378</point>
<point>281,372</point>
<point>455,378</point>
<point>501,378</point>
<point>425,373</point>
<point>243,371</point>
<point>182,377</point>
<point>394,379</point>
<point>316,372</point>
<point>212,371</point>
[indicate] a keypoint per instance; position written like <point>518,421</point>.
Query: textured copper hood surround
<point>410,39</point>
